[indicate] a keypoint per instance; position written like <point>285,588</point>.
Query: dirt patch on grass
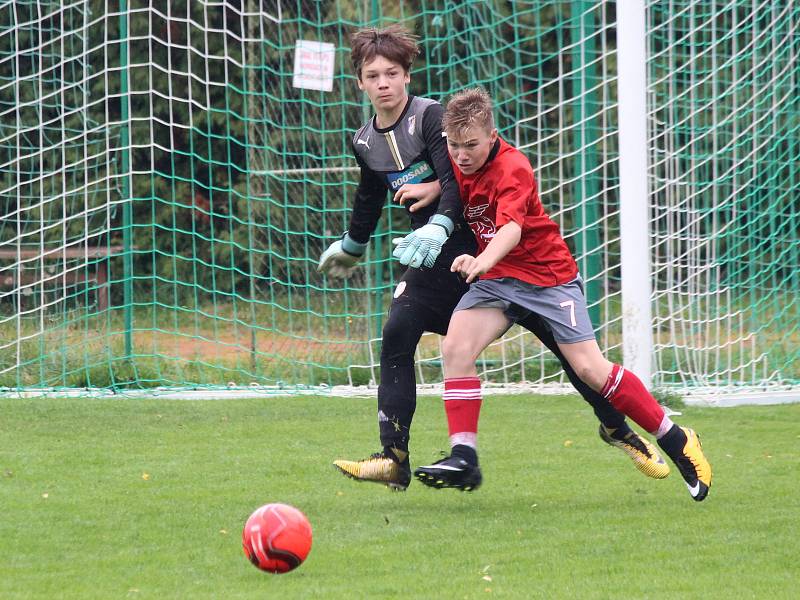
<point>232,346</point>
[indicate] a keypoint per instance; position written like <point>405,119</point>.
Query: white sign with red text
<point>313,65</point>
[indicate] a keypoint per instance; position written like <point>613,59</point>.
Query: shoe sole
<point>440,481</point>
<point>392,485</point>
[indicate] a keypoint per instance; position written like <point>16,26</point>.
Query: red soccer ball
<point>277,538</point>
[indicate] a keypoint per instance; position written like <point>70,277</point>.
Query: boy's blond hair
<point>394,43</point>
<point>467,109</point>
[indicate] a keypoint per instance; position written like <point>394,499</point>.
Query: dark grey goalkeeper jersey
<point>410,151</point>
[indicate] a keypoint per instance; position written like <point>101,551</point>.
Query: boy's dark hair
<point>468,108</point>
<point>394,43</point>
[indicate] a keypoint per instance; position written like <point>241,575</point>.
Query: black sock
<point>673,442</point>
<point>618,433</point>
<point>468,453</point>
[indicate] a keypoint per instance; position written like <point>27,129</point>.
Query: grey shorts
<point>562,307</point>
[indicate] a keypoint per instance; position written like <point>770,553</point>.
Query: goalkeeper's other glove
<point>341,257</point>
<point>422,247</point>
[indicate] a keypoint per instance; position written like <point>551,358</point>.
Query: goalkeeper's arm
<point>340,259</point>
<point>423,246</point>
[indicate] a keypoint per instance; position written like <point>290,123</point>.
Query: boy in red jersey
<point>525,268</point>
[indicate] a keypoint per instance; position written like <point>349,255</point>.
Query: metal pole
<point>637,334</point>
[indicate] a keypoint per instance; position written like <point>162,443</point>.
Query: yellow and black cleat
<point>693,465</point>
<point>643,454</point>
<point>378,468</point>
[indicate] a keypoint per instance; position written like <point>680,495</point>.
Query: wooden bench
<point>32,258</point>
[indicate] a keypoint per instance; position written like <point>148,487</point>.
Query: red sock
<point>462,403</point>
<point>628,395</point>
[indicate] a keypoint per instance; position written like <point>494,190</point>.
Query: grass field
<point>147,498</point>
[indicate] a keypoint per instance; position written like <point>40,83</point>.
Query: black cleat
<point>450,472</point>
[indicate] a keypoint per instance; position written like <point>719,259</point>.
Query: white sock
<point>666,425</point>
<point>464,438</point>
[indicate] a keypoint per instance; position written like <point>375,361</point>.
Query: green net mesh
<point>724,180</point>
<point>167,189</point>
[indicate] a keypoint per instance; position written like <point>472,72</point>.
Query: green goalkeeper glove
<point>341,257</point>
<point>423,246</point>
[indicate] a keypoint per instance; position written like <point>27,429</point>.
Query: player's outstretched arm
<point>472,267</point>
<point>418,195</point>
<point>341,258</point>
<point>423,246</point>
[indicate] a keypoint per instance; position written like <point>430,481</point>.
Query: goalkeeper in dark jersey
<point>401,150</point>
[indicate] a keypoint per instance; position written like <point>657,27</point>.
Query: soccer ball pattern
<point>277,538</point>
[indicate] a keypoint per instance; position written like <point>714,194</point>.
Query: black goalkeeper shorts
<point>427,297</point>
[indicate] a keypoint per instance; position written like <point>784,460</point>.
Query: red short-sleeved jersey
<point>505,190</point>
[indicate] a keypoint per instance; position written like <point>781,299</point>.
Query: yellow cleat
<point>643,454</point>
<point>693,465</point>
<point>378,468</point>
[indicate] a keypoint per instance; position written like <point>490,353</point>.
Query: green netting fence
<point>166,187</point>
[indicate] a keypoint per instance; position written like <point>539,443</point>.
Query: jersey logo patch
<point>363,142</point>
<point>412,124</point>
<point>416,173</point>
<point>480,224</point>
